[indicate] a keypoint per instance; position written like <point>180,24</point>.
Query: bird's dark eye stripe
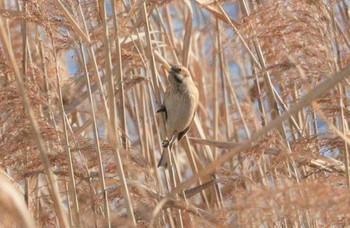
<point>176,69</point>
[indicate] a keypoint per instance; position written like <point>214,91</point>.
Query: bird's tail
<point>163,162</point>
<point>164,159</point>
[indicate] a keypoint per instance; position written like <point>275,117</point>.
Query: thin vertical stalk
<point>137,106</point>
<point>228,83</point>
<point>188,33</point>
<point>344,130</point>
<point>223,81</point>
<point>69,206</point>
<point>121,112</point>
<point>95,66</point>
<point>144,123</point>
<point>35,126</point>
<point>260,64</point>
<point>168,38</point>
<point>259,97</point>
<point>75,26</point>
<point>92,189</point>
<point>97,141</point>
<point>158,100</point>
<point>25,43</point>
<point>67,147</point>
<point>271,90</point>
<point>154,73</point>
<point>24,70</point>
<point>170,25</point>
<point>109,72</point>
<point>341,102</point>
<point>216,110</point>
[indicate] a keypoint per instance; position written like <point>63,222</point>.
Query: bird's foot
<point>165,143</point>
<point>161,109</point>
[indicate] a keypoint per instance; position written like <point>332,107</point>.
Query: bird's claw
<point>161,109</point>
<point>165,143</point>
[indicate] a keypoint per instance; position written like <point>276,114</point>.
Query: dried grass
<point>258,154</point>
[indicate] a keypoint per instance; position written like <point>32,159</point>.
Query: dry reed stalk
<point>306,100</point>
<point>24,69</point>
<point>173,172</point>
<point>97,144</point>
<point>72,181</point>
<point>256,64</point>
<point>341,101</point>
<point>43,151</point>
<point>12,202</point>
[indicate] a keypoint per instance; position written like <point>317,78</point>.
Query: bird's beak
<point>166,69</point>
<point>171,69</point>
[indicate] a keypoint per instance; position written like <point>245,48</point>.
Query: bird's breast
<point>181,104</point>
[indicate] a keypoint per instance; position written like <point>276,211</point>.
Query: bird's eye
<point>175,69</point>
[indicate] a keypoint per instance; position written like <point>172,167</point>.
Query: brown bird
<point>179,105</point>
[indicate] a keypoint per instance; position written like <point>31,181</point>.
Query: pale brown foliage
<point>251,61</point>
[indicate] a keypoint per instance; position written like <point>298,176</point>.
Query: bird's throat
<point>178,78</point>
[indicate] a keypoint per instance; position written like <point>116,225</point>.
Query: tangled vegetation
<point>80,140</point>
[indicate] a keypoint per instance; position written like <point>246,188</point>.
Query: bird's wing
<point>184,132</point>
<point>163,107</point>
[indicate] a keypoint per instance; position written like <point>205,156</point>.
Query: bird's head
<point>178,74</point>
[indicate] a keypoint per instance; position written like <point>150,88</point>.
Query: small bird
<point>179,105</point>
